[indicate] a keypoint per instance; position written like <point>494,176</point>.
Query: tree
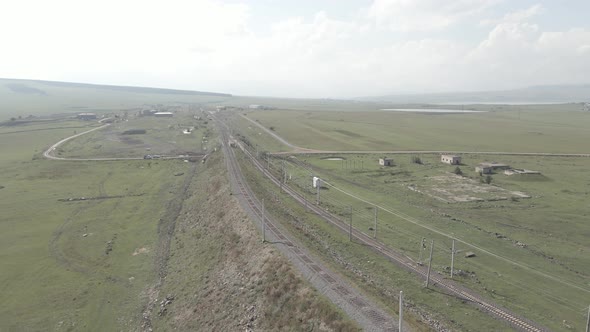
<point>488,179</point>
<point>416,160</point>
<point>458,171</point>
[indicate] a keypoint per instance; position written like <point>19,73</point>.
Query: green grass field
<point>543,268</point>
<point>547,128</point>
<point>52,276</point>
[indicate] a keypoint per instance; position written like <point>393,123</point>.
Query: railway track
<point>455,289</point>
<point>367,314</point>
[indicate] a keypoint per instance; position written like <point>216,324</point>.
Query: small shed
<point>483,169</point>
<point>451,159</point>
<point>386,161</point>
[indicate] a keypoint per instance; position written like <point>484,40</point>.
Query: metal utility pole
<point>350,225</point>
<point>429,263</point>
<point>588,321</point>
<point>375,227</point>
<point>452,258</point>
<point>318,185</point>
<point>282,171</point>
<point>401,312</point>
<point>263,223</point>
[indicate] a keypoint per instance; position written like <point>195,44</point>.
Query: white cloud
<point>209,45</point>
<point>423,15</point>
<point>516,16</point>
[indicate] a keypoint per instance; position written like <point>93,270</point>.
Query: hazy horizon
<point>315,49</point>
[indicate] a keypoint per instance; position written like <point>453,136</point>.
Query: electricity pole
<point>422,247</point>
<point>263,223</point>
<point>375,228</point>
<point>429,263</point>
<point>350,225</point>
<point>284,173</point>
<point>282,180</point>
<point>588,321</point>
<point>401,312</point>
<point>318,185</point>
<point>452,258</point>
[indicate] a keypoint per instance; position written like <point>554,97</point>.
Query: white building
<point>450,159</point>
<point>385,161</point>
<point>164,114</point>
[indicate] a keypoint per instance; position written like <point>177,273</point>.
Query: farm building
<point>483,169</point>
<point>385,161</point>
<point>520,171</point>
<point>87,116</point>
<point>255,107</point>
<point>450,159</point>
<point>163,114</point>
<point>494,165</point>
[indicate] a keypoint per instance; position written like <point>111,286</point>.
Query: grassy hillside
<point>41,98</point>
<point>98,246</point>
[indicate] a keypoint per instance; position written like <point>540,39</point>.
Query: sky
<point>299,48</point>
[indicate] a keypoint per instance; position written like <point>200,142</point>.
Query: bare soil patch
<point>453,188</point>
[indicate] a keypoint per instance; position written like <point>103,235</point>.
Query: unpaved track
<point>49,152</point>
<point>357,306</point>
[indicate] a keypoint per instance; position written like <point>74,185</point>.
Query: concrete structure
<point>385,161</point>
<point>164,114</point>
<point>148,112</point>
<point>494,165</point>
<point>482,169</point>
<point>450,159</point>
<point>520,171</point>
<point>87,116</point>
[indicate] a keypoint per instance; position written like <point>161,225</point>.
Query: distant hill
<point>38,98</point>
<point>20,86</point>
<point>530,95</point>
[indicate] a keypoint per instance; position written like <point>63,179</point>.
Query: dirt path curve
<point>356,305</point>
<point>296,149</point>
<point>49,152</point>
